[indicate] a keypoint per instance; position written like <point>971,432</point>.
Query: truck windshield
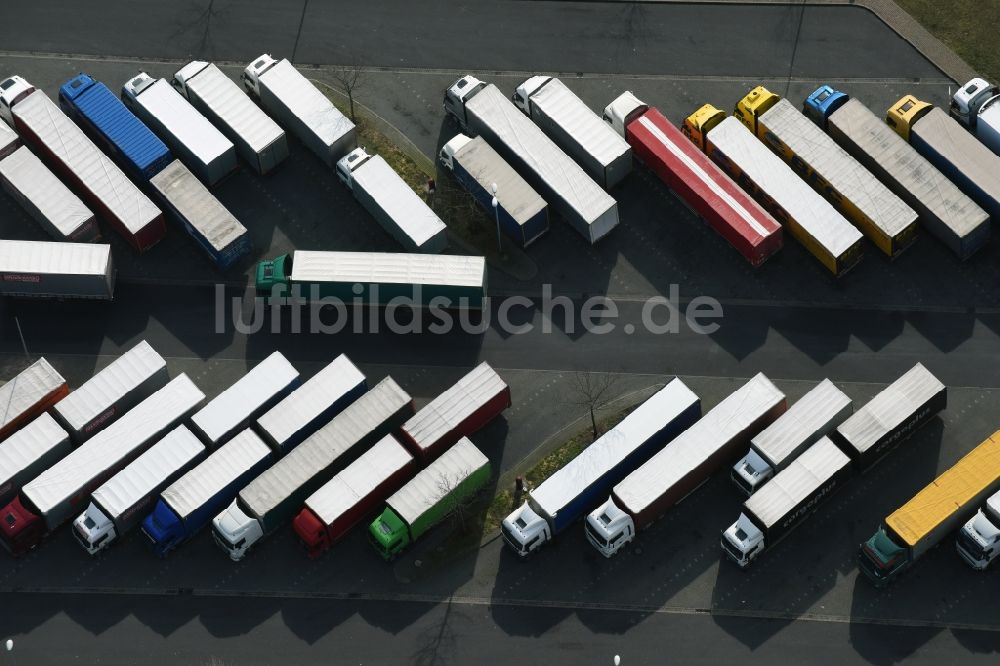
<point>971,546</point>
<point>596,535</point>
<point>735,552</point>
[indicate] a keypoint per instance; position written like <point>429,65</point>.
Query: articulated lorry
<point>978,541</point>
<point>473,402</point>
<point>68,150</point>
<point>353,494</point>
<point>44,197</point>
<point>520,211</point>
<point>482,110</point>
<point>936,511</point>
<point>683,465</point>
<point>29,452</point>
<point>112,392</point>
<point>882,216</point>
<point>258,139</point>
<point>241,404</point>
<point>975,106</point>
<point>810,218</point>
<point>394,205</point>
<point>52,497</point>
<point>124,499</point>
<point>699,183</point>
<point>374,279</point>
<point>818,412</point>
<point>948,146</point>
<point>273,498</point>
<point>218,233</point>
<point>947,213</point>
<point>300,107</point>
<point>44,269</point>
<point>570,123</point>
<point>188,504</point>
<point>567,495</point>
<point>426,500</point>
<point>30,393</point>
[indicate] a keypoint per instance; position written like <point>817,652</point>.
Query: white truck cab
<point>621,111</point>
<point>12,91</point>
<point>525,530</point>
<point>235,532</point>
<point>251,75</point>
<point>522,95</point>
<point>751,472</point>
<point>94,530</point>
<point>185,74</point>
<point>448,150</point>
<point>609,529</point>
<point>348,163</point>
<point>458,95</point>
<point>743,541</point>
<point>134,86</point>
<point>979,539</point>
<point>977,106</point>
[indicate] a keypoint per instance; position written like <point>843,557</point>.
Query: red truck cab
<point>20,528</point>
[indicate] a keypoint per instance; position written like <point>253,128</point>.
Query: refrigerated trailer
<point>43,269</point>
<point>29,452</point>
<point>32,391</point>
<point>947,213</point>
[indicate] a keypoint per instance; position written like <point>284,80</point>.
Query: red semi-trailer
<point>695,179</point>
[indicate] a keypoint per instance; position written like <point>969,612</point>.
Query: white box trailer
<point>481,109</point>
<point>394,205</point>
<point>31,392</point>
<point>300,107</point>
<point>112,392</point>
<point>253,394</point>
<point>9,141</point>
<point>29,452</point>
<point>46,199</point>
<point>205,150</point>
<point>571,124</point>
<point>56,270</point>
<point>258,139</point>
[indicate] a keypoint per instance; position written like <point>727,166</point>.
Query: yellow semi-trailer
<point>939,509</point>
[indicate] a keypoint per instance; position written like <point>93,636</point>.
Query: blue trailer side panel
<point>336,407</point>
<point>203,515</point>
<point>484,198</point>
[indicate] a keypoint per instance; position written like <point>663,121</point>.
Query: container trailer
<point>29,452</point>
<point>32,391</point>
<point>9,141</point>
<point>978,541</point>
<point>975,106</point>
<point>45,269</point>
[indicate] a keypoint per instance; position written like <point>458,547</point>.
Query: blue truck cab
<point>820,105</point>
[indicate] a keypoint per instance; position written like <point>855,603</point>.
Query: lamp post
<point>496,214</point>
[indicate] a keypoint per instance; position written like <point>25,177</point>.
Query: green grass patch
<point>968,27</point>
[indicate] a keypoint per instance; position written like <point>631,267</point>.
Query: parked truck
<point>311,405</point>
<point>520,211</point>
<point>566,496</point>
<point>353,494</point>
<point>450,282</point>
<point>570,123</point>
<point>274,497</point>
<point>978,541</point>
<point>218,233</point>
<point>44,197</point>
<point>51,498</point>
<point>9,141</point>
<point>482,110</point>
<point>112,392</point>
<point>942,208</point>
<point>818,412</point>
<point>241,404</point>
<point>975,106</point>
<point>103,186</point>
<point>188,504</point>
<point>393,204</point>
<point>683,465</point>
<point>427,499</point>
<point>948,146</point>
<point>810,218</point>
<point>258,139</point>
<point>44,269</point>
<point>32,391</point>
<point>474,401</point>
<point>29,452</point>
<point>300,107</point>
<point>112,126</point>
<point>937,510</point>
<point>696,180</point>
<point>124,499</point>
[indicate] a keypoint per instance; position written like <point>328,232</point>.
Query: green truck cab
<point>389,534</point>
<point>272,272</point>
<point>882,560</point>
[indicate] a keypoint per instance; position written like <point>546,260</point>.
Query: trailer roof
<point>442,414</point>
<point>234,107</point>
<point>579,121</point>
<point>54,258</point>
<point>615,445</point>
<point>311,399</point>
<point>108,386</point>
<point>977,162</point>
<point>513,192</point>
<point>414,217</point>
<point>198,206</point>
<point>322,448</point>
<point>27,175</point>
<point>241,400</point>
<point>540,154</point>
<point>699,442</point>
<point>887,410</point>
<point>24,447</point>
<point>795,483</point>
<point>115,443</point>
<point>144,474</point>
<point>306,101</point>
<point>815,409</point>
<point>218,470</point>
<point>388,268</point>
<point>99,174</point>
<point>358,479</point>
<point>438,480</point>
<point>8,138</point>
<point>27,388</point>
<point>183,121</point>
<point>977,471</point>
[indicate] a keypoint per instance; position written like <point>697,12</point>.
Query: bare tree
<point>351,78</point>
<point>591,390</point>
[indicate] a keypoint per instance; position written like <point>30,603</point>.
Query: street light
<point>496,213</point>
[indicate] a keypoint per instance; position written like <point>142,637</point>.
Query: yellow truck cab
<point>756,103</point>
<point>698,124</point>
<point>904,113</point>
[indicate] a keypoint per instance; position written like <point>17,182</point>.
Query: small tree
<point>591,390</point>
<point>351,78</point>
